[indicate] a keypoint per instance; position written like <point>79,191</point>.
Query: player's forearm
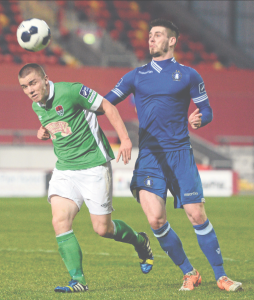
<point>116,121</point>
<point>206,111</point>
<point>207,115</point>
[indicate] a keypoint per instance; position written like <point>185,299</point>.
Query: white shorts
<point>92,186</point>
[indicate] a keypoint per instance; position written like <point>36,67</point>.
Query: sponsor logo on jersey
<point>218,250</point>
<point>191,194</point>
<point>148,182</point>
<point>60,111</point>
<point>40,118</point>
<point>92,97</point>
<point>119,82</point>
<point>56,127</point>
<point>177,76</point>
<point>201,88</point>
<point>145,72</point>
<point>85,91</point>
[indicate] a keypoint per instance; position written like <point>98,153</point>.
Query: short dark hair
<point>28,68</point>
<point>167,24</point>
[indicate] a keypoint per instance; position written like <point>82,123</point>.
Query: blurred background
<point>96,43</point>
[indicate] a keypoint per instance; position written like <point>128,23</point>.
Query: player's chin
<point>36,99</point>
<point>155,54</point>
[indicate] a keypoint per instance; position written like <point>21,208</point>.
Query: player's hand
<point>195,119</point>
<point>125,151</point>
<point>43,134</point>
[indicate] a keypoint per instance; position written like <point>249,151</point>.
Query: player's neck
<point>164,57</point>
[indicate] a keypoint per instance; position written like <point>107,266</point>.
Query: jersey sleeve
<point>200,98</point>
<point>197,88</point>
<point>123,89</point>
<point>85,97</point>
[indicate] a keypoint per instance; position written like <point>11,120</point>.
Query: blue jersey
<point>163,91</point>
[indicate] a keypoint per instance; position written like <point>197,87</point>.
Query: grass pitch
<point>31,267</point>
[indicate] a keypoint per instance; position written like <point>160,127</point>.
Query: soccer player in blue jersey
<point>163,90</point>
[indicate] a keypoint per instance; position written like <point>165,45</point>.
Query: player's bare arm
<point>195,119</point>
<point>43,133</point>
<point>116,121</point>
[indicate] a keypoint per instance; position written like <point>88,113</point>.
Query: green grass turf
<point>31,267</point>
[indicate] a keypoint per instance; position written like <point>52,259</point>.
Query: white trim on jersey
<point>95,130</point>
<point>119,93</point>
<point>51,90</point>
<point>96,103</point>
<point>51,93</point>
<point>173,60</point>
<point>156,67</point>
<point>200,99</point>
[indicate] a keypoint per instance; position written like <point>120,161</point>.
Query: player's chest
<point>170,83</point>
<point>57,112</point>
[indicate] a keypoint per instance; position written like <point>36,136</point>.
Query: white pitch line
<point>87,253</point>
<point>230,259</point>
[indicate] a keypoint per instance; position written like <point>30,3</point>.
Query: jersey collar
<point>159,65</point>
<point>51,93</point>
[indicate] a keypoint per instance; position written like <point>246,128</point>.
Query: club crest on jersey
<point>201,88</point>
<point>60,110</point>
<point>177,76</point>
<point>148,182</point>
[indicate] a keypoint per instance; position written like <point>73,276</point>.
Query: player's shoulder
<point>186,69</point>
<point>67,84</point>
<point>191,71</point>
<point>67,87</point>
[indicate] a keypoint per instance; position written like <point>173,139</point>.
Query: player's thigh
<point>154,208</point>
<point>63,209</point>
<point>186,184</point>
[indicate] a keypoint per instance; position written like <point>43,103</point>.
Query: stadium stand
<point>124,20</point>
<point>127,22</point>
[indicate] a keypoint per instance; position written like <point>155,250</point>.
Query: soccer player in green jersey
<point>83,170</point>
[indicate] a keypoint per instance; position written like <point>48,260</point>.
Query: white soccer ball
<point>33,34</point>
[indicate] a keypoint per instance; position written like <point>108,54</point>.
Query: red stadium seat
<point>122,4</point>
<point>7,58</point>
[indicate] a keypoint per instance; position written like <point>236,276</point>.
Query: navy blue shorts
<point>173,170</point>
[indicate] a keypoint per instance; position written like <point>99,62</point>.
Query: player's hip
<point>92,186</point>
<point>163,163</point>
<point>175,171</point>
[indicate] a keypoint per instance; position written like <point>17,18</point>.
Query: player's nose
<point>30,90</point>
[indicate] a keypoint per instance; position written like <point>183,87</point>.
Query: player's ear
<point>172,41</point>
<point>46,79</point>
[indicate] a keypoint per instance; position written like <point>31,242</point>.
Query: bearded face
<point>159,41</point>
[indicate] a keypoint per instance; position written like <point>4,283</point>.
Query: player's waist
<point>163,147</point>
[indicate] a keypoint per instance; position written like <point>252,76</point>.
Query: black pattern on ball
<point>33,30</point>
<point>25,37</point>
<point>46,39</point>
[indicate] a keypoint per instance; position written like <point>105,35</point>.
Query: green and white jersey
<point>79,143</point>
